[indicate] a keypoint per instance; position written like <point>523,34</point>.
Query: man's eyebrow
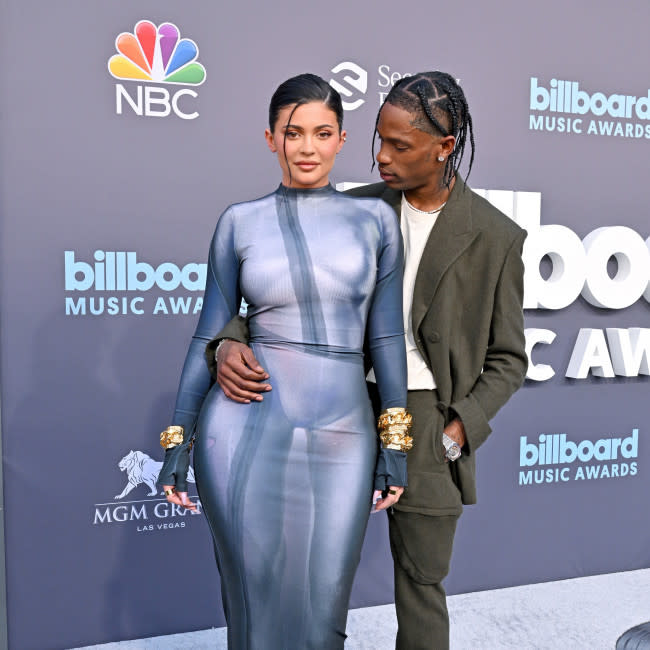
<point>393,140</point>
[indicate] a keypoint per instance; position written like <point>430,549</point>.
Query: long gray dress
<point>286,483</point>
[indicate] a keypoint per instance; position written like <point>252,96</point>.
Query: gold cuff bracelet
<point>172,437</point>
<point>394,426</point>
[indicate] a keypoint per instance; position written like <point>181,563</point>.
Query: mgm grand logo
<point>149,514</point>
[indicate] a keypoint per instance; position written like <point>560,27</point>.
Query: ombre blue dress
<point>286,483</point>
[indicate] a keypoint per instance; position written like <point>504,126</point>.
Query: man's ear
<point>447,145</point>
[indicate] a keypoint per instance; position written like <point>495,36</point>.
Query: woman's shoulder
<point>251,206</point>
<point>372,204</point>
<point>368,201</point>
<point>373,210</point>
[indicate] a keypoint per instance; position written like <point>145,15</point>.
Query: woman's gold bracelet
<point>394,426</point>
<point>172,436</point>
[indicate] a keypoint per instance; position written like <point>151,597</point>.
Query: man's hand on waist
<point>239,374</point>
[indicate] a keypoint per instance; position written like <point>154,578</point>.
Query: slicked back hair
<point>302,89</point>
<point>439,107</point>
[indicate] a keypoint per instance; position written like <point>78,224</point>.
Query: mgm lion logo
<point>141,468</point>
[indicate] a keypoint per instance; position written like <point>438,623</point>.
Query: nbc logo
<point>158,55</point>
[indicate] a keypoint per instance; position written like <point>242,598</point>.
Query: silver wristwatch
<point>452,448</point>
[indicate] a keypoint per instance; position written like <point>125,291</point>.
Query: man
<point>463,293</point>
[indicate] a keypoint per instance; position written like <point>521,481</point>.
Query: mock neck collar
<point>306,191</point>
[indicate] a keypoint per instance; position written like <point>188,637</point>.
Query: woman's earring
<point>441,158</point>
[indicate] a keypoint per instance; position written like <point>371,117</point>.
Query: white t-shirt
<point>416,227</point>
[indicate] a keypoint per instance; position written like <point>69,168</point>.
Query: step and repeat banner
<point>127,128</point>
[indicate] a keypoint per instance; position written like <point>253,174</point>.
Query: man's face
<point>407,157</point>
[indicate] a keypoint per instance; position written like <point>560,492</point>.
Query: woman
<point>286,483</point>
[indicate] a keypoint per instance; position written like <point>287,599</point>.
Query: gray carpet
<point>582,614</point>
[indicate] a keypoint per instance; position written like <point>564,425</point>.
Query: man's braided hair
<point>439,107</point>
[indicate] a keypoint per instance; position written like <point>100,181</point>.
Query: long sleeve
<point>220,303</point>
<point>385,334</point>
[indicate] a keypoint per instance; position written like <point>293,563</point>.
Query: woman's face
<point>307,147</point>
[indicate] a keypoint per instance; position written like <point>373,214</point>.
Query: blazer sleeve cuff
<point>477,427</point>
<point>235,330</point>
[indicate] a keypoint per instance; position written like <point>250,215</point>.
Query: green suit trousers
<point>421,544</point>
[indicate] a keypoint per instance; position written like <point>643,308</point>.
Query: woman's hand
<point>392,497</point>
<point>179,498</point>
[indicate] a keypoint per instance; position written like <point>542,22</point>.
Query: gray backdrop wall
<point>109,192</point>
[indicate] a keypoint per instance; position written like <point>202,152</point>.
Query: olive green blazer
<point>468,316</point>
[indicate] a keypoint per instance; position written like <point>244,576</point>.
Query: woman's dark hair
<point>439,107</point>
<point>303,89</point>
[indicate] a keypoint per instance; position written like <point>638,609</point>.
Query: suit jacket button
<point>433,337</point>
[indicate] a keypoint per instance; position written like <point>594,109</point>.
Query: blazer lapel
<point>450,236</point>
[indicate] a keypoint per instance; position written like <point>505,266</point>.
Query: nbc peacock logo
<point>156,55</point>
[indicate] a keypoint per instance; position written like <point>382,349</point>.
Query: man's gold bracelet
<point>172,437</point>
